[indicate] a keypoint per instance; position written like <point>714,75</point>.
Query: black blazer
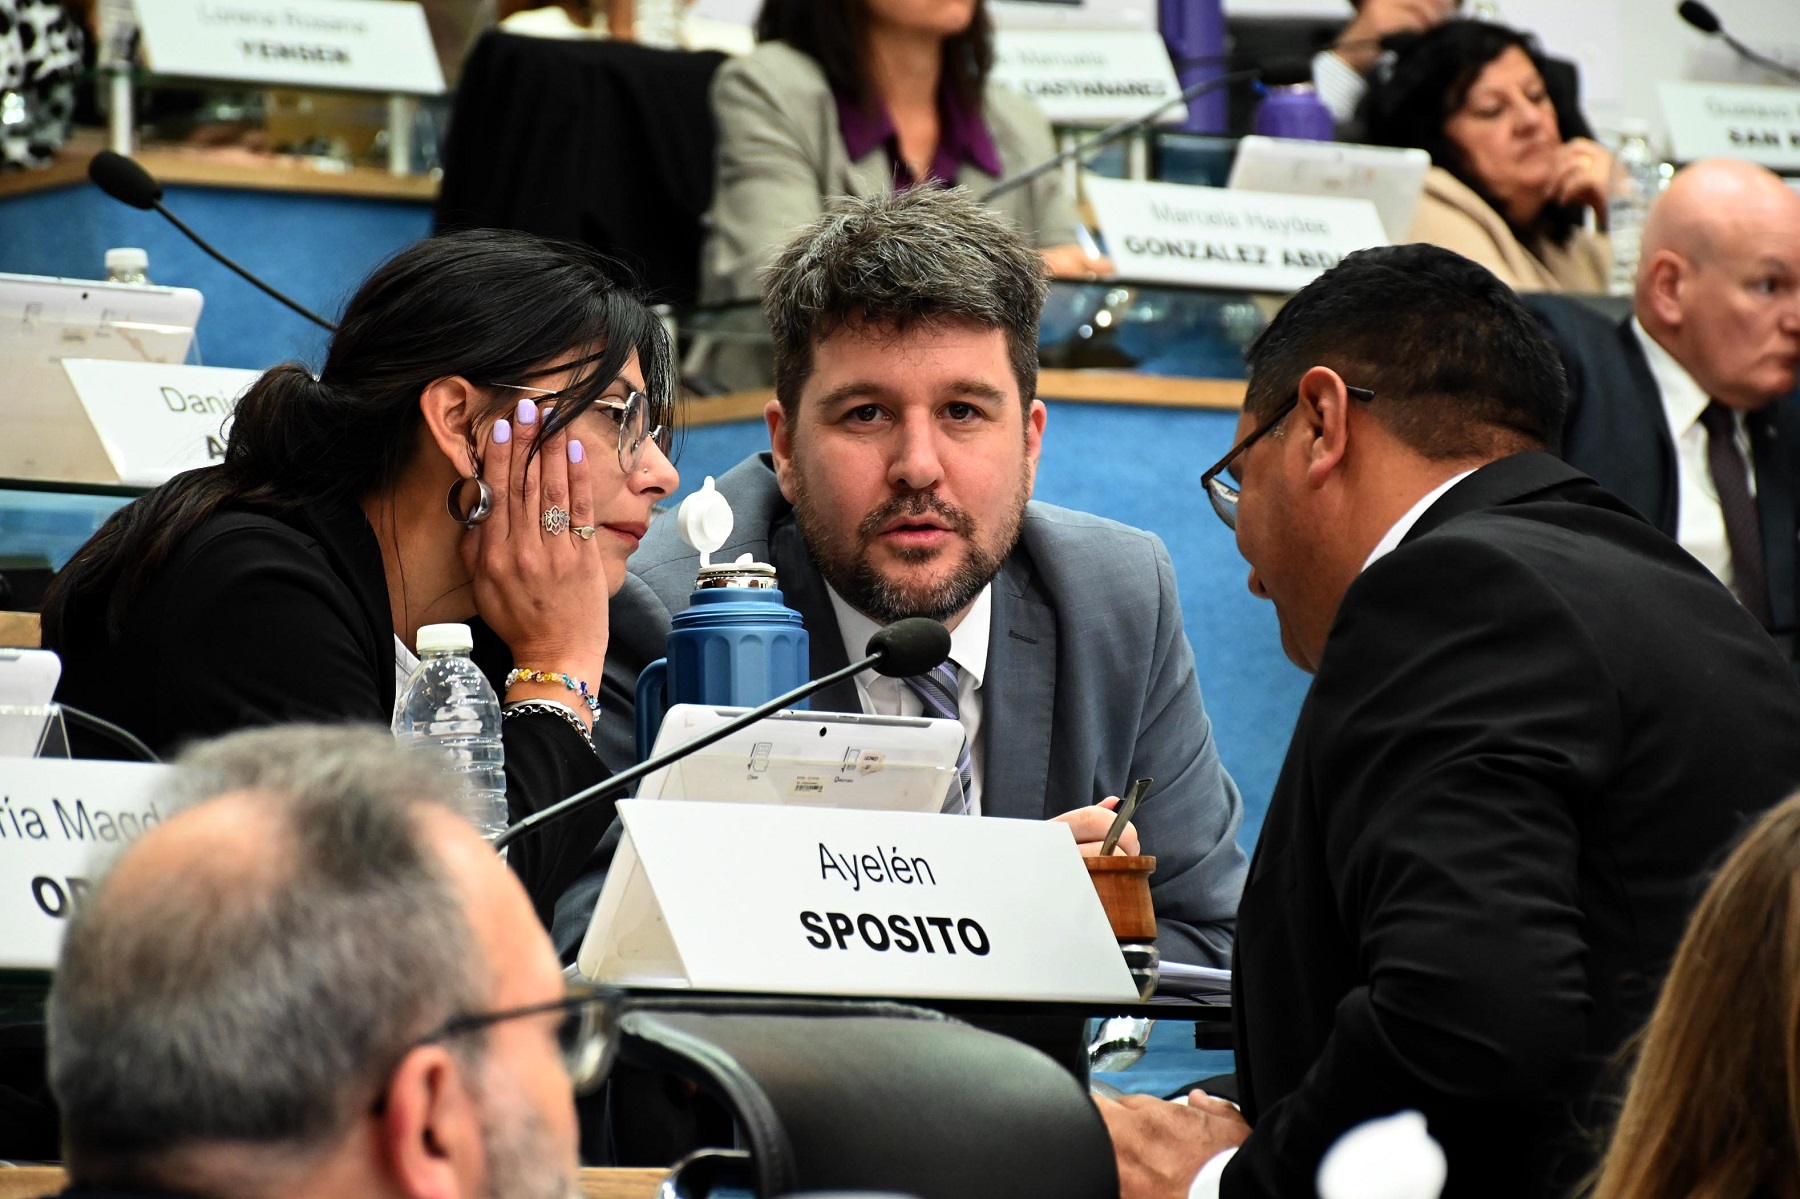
<point>1616,431</point>
<point>1534,726</point>
<point>280,617</point>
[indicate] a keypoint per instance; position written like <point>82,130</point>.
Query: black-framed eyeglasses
<point>587,1036</point>
<point>1223,495</point>
<point>633,415</point>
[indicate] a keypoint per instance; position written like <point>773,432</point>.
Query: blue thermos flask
<point>737,645</point>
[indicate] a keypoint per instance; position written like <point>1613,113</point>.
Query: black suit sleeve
<point>1471,714</point>
<point>255,629</point>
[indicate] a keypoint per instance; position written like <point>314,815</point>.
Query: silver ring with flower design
<point>555,521</point>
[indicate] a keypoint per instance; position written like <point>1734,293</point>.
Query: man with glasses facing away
<point>1534,723</point>
<point>315,978</point>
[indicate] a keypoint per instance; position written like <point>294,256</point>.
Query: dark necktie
<point>938,691</point>
<point>1743,529</point>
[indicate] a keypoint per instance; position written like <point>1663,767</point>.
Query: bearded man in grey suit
<point>904,442</point>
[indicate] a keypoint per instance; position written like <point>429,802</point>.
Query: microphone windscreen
<point>1699,16</point>
<point>124,180</point>
<point>908,647</point>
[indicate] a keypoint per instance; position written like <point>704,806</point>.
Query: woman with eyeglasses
<point>484,444</point>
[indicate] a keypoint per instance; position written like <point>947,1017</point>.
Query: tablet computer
<point>1390,178</point>
<point>818,759</point>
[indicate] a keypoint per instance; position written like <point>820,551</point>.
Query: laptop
<point>1390,178</point>
<point>44,319</point>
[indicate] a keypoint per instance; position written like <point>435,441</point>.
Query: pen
<point>1126,807</point>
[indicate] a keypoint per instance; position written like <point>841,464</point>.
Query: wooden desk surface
<point>20,630</point>
<point>29,1182</point>
<point>230,168</point>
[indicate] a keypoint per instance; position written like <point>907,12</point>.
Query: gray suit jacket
<point>1090,683</point>
<point>781,156</point>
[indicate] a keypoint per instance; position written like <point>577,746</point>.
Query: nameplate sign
<point>354,45</point>
<point>1091,77</point>
<point>829,901</point>
<point>1716,120</point>
<point>157,419</point>
<point>57,819</point>
<point>1220,237</point>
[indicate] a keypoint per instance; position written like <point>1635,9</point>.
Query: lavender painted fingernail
<point>576,453</point>
<point>528,412</point>
<point>502,431</point>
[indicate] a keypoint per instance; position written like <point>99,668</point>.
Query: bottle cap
<point>436,638</point>
<point>127,260</point>
<point>1634,127</point>
<point>704,521</point>
<point>1390,1158</point>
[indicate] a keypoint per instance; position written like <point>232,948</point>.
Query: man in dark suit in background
<point>903,447</point>
<point>1687,408</point>
<point>1534,723</point>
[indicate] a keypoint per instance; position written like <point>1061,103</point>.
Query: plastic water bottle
<point>1637,180</point>
<point>127,264</point>
<point>450,704</point>
<point>1390,1158</point>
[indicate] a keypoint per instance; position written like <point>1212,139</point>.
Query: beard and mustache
<point>847,567</point>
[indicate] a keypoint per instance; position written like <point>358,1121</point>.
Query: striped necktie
<point>938,691</point>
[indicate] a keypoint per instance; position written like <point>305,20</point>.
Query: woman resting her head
<point>1713,1109</point>
<point>484,444</point>
<point>1508,187</point>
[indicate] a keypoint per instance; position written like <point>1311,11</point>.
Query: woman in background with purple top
<point>859,97</point>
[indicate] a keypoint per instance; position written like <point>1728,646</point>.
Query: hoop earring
<point>484,502</point>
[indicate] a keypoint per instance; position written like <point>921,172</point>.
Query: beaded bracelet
<point>551,707</point>
<point>521,675</point>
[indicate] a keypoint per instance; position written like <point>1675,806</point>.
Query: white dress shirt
<point>1206,1183</point>
<point>405,662</point>
<point>1390,541</point>
<point>883,696</point>
<point>1340,85</point>
<point>1699,521</point>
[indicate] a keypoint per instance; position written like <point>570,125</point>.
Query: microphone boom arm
<point>1759,59</point>
<point>625,778</point>
<point>246,275</point>
<point>1113,133</point>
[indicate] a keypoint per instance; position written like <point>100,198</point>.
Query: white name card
<point>157,419</point>
<point>1088,77</point>
<point>357,45</point>
<point>1717,120</point>
<point>55,818</point>
<point>746,897</point>
<point>1219,237</point>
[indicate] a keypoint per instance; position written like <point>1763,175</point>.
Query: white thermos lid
<point>704,520</point>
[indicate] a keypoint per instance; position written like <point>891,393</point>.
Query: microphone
<point>906,647</point>
<point>1707,21</point>
<point>128,182</point>
<point>1113,133</point>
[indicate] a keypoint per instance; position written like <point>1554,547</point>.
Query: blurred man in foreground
<point>1534,723</point>
<point>1687,409</point>
<point>316,980</point>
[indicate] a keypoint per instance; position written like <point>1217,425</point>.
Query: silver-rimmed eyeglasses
<point>1223,495</point>
<point>633,416</point>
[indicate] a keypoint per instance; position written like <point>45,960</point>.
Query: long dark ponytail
<point>492,306</point>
